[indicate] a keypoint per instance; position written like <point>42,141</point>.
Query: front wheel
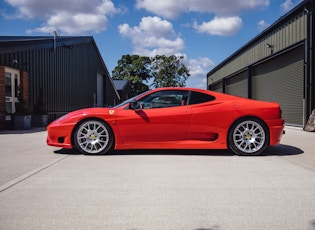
<point>248,137</point>
<point>93,137</point>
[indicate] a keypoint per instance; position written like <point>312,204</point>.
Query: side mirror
<point>133,105</point>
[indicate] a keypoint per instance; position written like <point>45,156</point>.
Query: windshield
<point>129,100</point>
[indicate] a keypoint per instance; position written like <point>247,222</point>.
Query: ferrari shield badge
<point>111,112</point>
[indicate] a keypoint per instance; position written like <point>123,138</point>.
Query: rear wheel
<point>248,136</point>
<point>93,137</point>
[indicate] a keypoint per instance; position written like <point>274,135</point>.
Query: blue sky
<point>205,32</point>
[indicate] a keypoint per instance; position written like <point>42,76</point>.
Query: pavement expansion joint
<point>29,174</point>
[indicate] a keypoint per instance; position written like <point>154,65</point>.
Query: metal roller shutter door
<point>218,87</point>
<point>238,85</point>
<point>281,79</point>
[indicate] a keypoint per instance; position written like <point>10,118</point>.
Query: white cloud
<point>220,26</point>
<point>261,25</point>
<point>168,9</point>
<point>198,69</point>
<point>197,82</point>
<point>153,36</point>
<point>66,16</point>
<point>226,21</point>
<point>173,8</point>
<point>287,5</point>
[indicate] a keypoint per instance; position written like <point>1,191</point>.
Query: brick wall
<point>24,85</point>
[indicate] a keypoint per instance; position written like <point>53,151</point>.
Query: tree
<point>160,71</point>
<point>135,69</point>
<point>169,71</point>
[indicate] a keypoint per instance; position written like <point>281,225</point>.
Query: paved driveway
<point>47,188</point>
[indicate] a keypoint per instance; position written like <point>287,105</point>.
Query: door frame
<point>15,82</point>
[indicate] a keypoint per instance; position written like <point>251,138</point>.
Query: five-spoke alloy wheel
<point>248,137</point>
<point>93,137</point>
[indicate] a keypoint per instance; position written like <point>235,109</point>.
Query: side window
<point>164,99</point>
<point>197,98</point>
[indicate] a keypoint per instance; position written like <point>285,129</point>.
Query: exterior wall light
<point>269,46</point>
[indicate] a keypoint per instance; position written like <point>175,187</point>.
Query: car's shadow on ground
<point>279,150</point>
<point>282,150</point>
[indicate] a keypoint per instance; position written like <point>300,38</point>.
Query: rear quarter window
<point>197,98</point>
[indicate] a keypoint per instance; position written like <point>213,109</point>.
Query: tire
<point>93,137</point>
<point>248,137</point>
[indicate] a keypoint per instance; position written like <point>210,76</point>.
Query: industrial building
<point>276,65</point>
<point>68,72</point>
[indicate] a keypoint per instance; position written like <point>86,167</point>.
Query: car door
<point>205,117</point>
<point>160,117</point>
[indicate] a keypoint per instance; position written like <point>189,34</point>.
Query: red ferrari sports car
<point>172,118</point>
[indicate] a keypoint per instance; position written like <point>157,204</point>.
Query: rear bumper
<point>276,128</point>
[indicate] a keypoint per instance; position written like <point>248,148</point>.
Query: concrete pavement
<point>45,188</point>
<point>24,152</point>
<point>297,146</point>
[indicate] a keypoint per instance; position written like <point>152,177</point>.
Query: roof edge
<point>282,19</point>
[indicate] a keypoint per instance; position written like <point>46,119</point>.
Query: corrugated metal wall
<point>218,86</point>
<point>279,79</point>
<point>67,74</point>
<point>278,65</point>
<point>282,80</point>
<point>289,33</point>
<point>237,85</point>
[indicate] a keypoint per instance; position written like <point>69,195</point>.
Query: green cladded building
<point>277,65</point>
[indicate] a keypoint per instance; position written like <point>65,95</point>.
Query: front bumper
<point>60,135</point>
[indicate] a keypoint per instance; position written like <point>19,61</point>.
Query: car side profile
<point>172,118</point>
